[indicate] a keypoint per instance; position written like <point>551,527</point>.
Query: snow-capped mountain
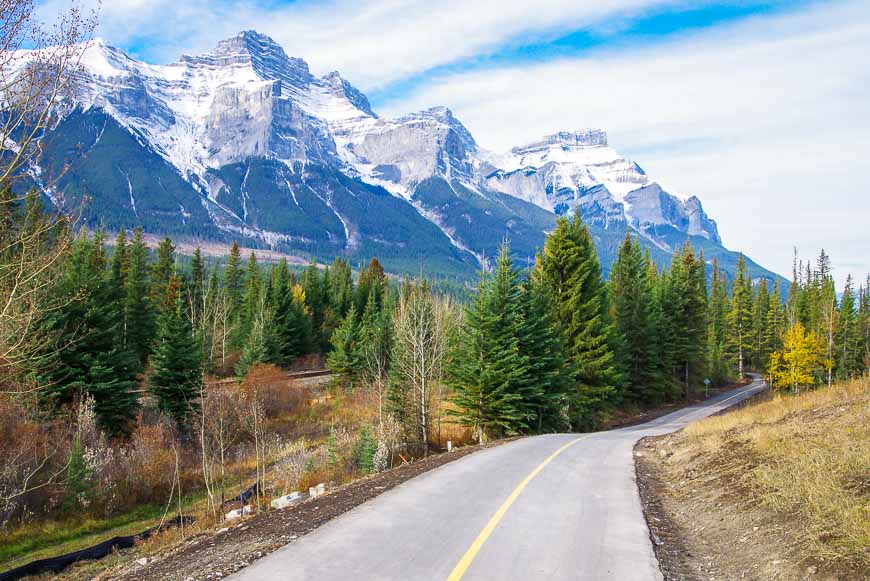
<point>245,142</point>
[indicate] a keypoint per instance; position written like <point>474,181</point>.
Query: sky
<point>760,108</point>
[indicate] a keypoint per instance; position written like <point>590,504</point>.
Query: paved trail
<point>562,506</point>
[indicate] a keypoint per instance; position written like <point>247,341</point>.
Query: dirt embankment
<point>775,490</point>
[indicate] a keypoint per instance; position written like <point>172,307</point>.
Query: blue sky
<point>760,108</point>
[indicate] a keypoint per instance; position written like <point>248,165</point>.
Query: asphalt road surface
<point>561,506</point>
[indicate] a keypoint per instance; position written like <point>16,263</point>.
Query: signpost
<point>706,387</point>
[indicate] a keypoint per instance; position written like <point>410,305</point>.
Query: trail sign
<point>706,386</point>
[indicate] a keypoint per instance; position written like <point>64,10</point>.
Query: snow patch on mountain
<point>247,99</point>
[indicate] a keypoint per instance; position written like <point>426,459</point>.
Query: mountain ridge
<point>288,160</point>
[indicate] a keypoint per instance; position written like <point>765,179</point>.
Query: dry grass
<point>809,457</point>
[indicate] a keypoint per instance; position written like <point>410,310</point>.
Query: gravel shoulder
<point>216,554</point>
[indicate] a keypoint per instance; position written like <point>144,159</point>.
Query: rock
<point>812,570</point>
<point>142,561</point>
<point>238,513</point>
<point>223,530</point>
<point>287,500</point>
<point>318,490</point>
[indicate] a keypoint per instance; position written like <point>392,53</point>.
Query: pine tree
<point>864,323</point>
<point>684,308</point>
<point>234,279</point>
<point>139,320</point>
<point>372,281</point>
<point>176,377</point>
<point>740,317</point>
<point>775,324</point>
<point>197,287</point>
<point>569,266</point>
<point>541,342</point>
<point>162,273</point>
<point>316,301</point>
<point>489,373</point>
<point>631,297</point>
<point>84,354</point>
<point>717,326</point>
<point>850,360</point>
<point>760,309</point>
<point>251,303</point>
<point>120,260</point>
<point>344,359</point>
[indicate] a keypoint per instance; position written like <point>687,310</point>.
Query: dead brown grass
<point>807,456</point>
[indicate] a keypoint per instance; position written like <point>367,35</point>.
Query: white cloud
<point>372,43</point>
<point>766,121</point>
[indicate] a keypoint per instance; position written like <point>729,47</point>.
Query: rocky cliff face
<point>276,154</point>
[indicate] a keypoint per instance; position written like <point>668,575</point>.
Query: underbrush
<point>809,457</point>
<point>287,436</point>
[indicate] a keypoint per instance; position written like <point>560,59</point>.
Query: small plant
<point>79,479</point>
<point>364,450</point>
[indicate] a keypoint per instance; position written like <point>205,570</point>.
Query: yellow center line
<point>466,560</point>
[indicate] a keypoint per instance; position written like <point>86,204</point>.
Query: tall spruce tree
<point>234,280</point>
<point>197,287</point>
<point>345,357</point>
<point>569,266</point>
<point>84,354</point>
<point>717,365</point>
<point>251,303</point>
<point>849,356</point>
<point>542,343</point>
<point>740,317</point>
<point>760,308</point>
<point>162,273</point>
<point>139,317</point>
<point>631,298</point>
<point>489,374</point>
<point>176,375</point>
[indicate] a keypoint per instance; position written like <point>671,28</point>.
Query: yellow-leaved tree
<point>801,357</point>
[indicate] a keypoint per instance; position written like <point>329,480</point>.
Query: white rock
<point>316,491</point>
<point>287,500</point>
<point>239,513</point>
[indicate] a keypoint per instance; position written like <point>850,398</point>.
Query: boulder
<point>287,500</point>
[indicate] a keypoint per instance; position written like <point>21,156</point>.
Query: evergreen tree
<point>84,354</point>
<point>341,288</point>
<point>251,303</point>
<point>740,317</point>
<point>372,281</point>
<point>197,286</point>
<point>234,279</point>
<point>344,359</point>
<point>176,376</point>
<point>760,309</point>
<point>631,298</point>
<point>717,326</point>
<point>569,266</point>
<point>316,301</point>
<point>864,323</point>
<point>684,308</point>
<point>162,273</point>
<point>548,379</point>
<point>489,374</point>
<point>775,325</point>
<point>120,260</point>
<point>139,320</point>
<point>850,358</point>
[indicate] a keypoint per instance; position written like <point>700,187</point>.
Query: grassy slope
<point>806,458</point>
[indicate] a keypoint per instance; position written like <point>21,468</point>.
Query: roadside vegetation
<point>775,489</point>
<point>134,383</point>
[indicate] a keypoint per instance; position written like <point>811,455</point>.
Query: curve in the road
<point>546,507</point>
